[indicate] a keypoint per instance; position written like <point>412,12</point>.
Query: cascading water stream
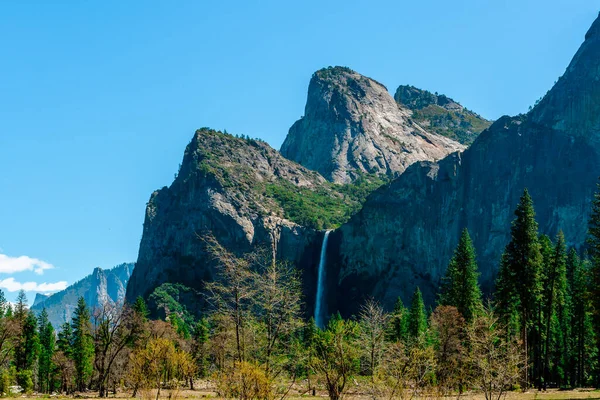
<point>319,308</point>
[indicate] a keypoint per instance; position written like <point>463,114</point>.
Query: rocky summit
<point>405,234</point>
<point>442,115</point>
<point>352,126</point>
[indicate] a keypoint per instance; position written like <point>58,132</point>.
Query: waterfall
<point>319,307</point>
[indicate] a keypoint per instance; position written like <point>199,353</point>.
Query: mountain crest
<point>352,126</point>
<point>573,104</point>
<point>440,114</point>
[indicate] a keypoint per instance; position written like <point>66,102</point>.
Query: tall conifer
<point>459,286</point>
<point>83,345</point>
<point>417,318</point>
<point>519,277</point>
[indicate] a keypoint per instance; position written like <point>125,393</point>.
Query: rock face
<point>442,115</point>
<point>224,188</point>
<point>99,288</point>
<point>352,126</point>
<point>39,298</point>
<point>405,234</point>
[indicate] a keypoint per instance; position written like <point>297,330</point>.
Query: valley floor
<point>205,393</point>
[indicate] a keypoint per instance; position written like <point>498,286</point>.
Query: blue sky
<point>99,99</point>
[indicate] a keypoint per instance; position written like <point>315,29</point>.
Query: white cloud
<point>10,265</point>
<point>13,286</point>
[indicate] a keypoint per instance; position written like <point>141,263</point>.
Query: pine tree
<point>398,329</point>
<point>593,242</point>
<point>140,307</point>
<point>199,345</point>
<point>417,318</point>
<point>582,329</point>
<point>555,313</point>
<point>519,276</point>
<point>47,347</point>
<point>3,304</point>
<point>20,311</point>
<point>65,340</point>
<point>27,344</point>
<point>460,287</point>
<point>83,345</point>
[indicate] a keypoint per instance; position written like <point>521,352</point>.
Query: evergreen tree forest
<point>540,329</point>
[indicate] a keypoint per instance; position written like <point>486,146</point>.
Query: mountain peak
<point>573,104</point>
<point>352,126</point>
<point>341,75</point>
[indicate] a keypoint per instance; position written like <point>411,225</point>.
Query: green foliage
<point>417,318</point>
<point>83,345</point>
<point>336,354</point>
<point>323,205</point>
<point>200,337</point>
<point>140,307</point>
<point>398,323</point>
<point>47,347</point>
<point>4,382</point>
<point>582,335</point>
<point>25,380</point>
<point>462,126</point>
<point>322,208</point>
<point>440,114</point>
<point>459,286</point>
<point>520,271</point>
<point>593,242</point>
<point>65,339</point>
<point>166,301</point>
<point>28,346</point>
<point>3,304</point>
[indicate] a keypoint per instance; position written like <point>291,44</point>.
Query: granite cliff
<point>247,195</point>
<point>352,126</point>
<point>406,232</point>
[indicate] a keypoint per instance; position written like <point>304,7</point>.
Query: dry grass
<point>205,391</point>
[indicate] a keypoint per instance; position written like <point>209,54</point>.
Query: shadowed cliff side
<point>405,234</point>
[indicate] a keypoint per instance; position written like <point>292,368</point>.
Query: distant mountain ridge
<point>99,288</point>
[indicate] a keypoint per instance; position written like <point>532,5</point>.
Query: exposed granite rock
<point>405,234</point>
<point>442,115</point>
<point>222,188</point>
<point>39,298</point>
<point>352,126</point>
<point>99,288</point>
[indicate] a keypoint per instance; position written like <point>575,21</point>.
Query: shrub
<point>4,382</point>
<point>24,379</point>
<point>246,381</point>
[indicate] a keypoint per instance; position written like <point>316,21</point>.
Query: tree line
<point>540,328</point>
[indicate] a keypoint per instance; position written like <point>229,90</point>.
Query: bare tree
<point>278,303</point>
<point>232,293</point>
<point>406,371</point>
<point>373,322</point>
<point>114,328</point>
<point>9,330</point>
<point>496,360</point>
<point>66,369</point>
